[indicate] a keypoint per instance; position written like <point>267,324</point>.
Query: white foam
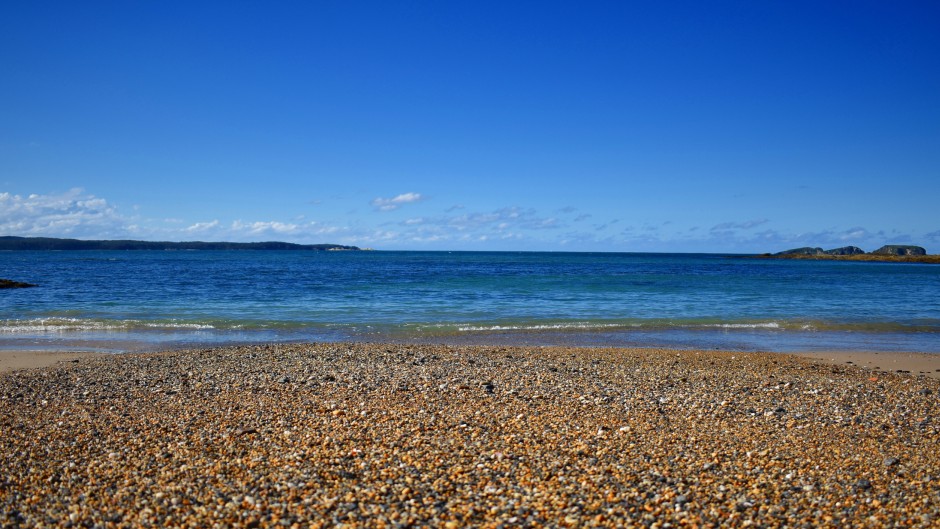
<point>47,325</point>
<point>767,325</point>
<point>541,327</point>
<point>179,326</point>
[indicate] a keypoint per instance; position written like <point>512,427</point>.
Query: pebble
<point>394,435</point>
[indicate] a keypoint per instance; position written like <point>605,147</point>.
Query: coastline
<point>383,434</point>
<point>911,363</point>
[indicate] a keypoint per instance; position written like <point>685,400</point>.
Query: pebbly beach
<point>375,435</point>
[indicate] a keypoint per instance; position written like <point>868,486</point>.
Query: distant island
<point>894,253</point>
<point>49,243</point>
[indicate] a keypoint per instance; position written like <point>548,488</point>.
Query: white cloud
<point>389,204</point>
<point>239,230</point>
<point>770,240</point>
<point>82,215</point>
<point>265,228</point>
<point>500,219</point>
<point>746,225</point>
<point>77,214</point>
<point>511,223</point>
<point>70,214</point>
<point>202,227</point>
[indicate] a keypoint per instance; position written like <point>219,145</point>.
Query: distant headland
<point>895,253</point>
<point>49,243</point>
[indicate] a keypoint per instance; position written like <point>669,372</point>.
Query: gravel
<point>380,435</point>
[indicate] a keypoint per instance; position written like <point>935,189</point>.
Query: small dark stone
<point>489,387</point>
<point>346,474</point>
<point>925,392</point>
<point>285,380</point>
<point>863,484</point>
<point>891,461</point>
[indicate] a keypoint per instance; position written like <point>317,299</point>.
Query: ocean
<point>150,300</point>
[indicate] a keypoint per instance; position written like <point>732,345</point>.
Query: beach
<point>391,435</point>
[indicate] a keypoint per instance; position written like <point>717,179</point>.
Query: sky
<point>674,126</point>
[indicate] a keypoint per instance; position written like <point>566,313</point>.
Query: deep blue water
<point>143,300</point>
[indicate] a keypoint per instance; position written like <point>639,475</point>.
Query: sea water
<point>139,300</point>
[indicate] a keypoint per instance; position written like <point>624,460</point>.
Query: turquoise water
<point>144,300</point>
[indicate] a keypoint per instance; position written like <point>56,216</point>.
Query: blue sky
<point>622,126</point>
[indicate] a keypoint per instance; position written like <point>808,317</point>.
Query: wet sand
<point>911,363</point>
<point>404,435</point>
<point>13,360</point>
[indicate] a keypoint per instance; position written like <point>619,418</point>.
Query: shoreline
<point>913,363</point>
<point>322,434</point>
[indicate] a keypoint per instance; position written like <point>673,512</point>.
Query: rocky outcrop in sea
<point>890,249</point>
<point>900,249</point>
<point>845,250</point>
<point>7,283</point>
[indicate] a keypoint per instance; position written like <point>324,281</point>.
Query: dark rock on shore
<point>6,283</point>
<point>900,249</point>
<point>845,250</point>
